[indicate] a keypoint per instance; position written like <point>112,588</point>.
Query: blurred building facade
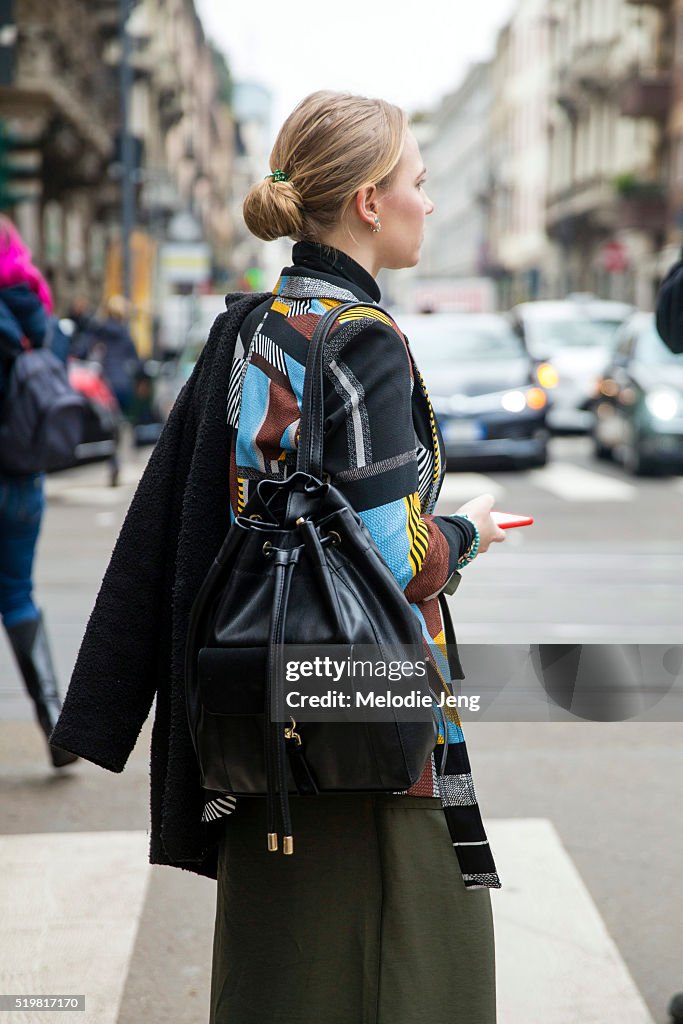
<point>60,137</point>
<point>606,198</point>
<point>458,161</point>
<point>580,161</point>
<point>673,29</point>
<point>521,254</point>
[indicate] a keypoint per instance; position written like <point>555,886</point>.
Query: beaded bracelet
<point>472,550</point>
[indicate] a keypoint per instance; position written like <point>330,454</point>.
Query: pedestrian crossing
<point>73,903</point>
<point>561,478</point>
<point>574,483</point>
<point>565,480</point>
<point>71,906</point>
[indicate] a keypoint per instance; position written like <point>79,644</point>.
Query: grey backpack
<point>42,417</point>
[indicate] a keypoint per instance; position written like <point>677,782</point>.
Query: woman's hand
<point>479,511</point>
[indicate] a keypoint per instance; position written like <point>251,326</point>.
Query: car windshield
<point>436,343</point>
<point>651,349</point>
<point>548,335</point>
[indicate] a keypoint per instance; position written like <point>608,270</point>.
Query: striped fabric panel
<point>241,495</point>
<point>425,474</point>
<point>271,352</point>
<point>436,470</point>
<point>358,428</point>
<point>418,537</point>
<point>219,807</point>
<point>376,469</point>
<point>301,307</point>
<point>237,371</point>
<point>366,313</point>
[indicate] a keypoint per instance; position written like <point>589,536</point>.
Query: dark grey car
<point>483,387</point>
<point>639,410</point>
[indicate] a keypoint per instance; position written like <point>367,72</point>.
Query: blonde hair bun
<point>330,146</point>
<point>272,209</point>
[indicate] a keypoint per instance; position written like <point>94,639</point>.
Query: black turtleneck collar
<point>322,261</point>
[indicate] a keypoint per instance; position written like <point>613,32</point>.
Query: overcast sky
<point>407,51</point>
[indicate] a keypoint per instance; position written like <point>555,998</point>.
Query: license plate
<point>461,430</point>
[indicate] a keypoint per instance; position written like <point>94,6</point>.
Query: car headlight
<point>518,401</point>
<point>663,404</point>
<point>513,401</point>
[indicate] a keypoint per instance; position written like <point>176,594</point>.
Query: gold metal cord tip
<point>288,844</point>
<point>300,520</point>
<point>272,842</point>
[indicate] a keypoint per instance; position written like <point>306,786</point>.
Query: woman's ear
<point>366,204</point>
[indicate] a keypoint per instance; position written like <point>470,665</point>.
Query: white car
<point>577,336</point>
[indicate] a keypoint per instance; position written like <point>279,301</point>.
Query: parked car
<point>577,336</point>
<point>483,386</point>
<point>639,408</point>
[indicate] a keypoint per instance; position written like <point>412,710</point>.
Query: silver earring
<point>377,227</point>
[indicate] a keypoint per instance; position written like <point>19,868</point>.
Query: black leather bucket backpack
<point>298,566</point>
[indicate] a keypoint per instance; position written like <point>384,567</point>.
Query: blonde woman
<point>383,915</point>
<point>374,923</point>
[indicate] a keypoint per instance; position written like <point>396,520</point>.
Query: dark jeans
<point>22,501</point>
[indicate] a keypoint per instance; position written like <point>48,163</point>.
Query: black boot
<point>31,649</point>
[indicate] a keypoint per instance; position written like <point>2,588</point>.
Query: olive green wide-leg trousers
<point>368,922</point>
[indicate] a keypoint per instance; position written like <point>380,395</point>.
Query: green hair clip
<point>278,176</point>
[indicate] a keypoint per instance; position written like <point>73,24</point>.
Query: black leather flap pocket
<point>232,679</point>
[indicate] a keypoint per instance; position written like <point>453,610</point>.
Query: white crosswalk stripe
<point>562,479</point>
<point>72,903</point>
<point>460,487</point>
<point>555,959</point>
<point>574,483</point>
<point>71,906</point>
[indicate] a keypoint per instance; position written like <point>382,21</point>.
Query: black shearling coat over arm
<point>134,644</point>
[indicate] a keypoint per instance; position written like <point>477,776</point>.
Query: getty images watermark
<point>357,684</point>
<point>489,682</point>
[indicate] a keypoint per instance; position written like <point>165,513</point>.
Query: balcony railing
<point>647,212</point>
<point>590,67</point>
<point>590,203</point>
<point>646,95</point>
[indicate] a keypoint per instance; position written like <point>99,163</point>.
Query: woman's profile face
<point>402,209</point>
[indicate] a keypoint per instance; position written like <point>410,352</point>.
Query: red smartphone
<point>507,521</point>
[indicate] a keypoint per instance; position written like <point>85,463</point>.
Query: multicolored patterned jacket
<point>383,449</point>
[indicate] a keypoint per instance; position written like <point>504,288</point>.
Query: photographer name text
<point>370,699</point>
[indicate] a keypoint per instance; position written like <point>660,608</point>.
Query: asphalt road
<point>601,563</point>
